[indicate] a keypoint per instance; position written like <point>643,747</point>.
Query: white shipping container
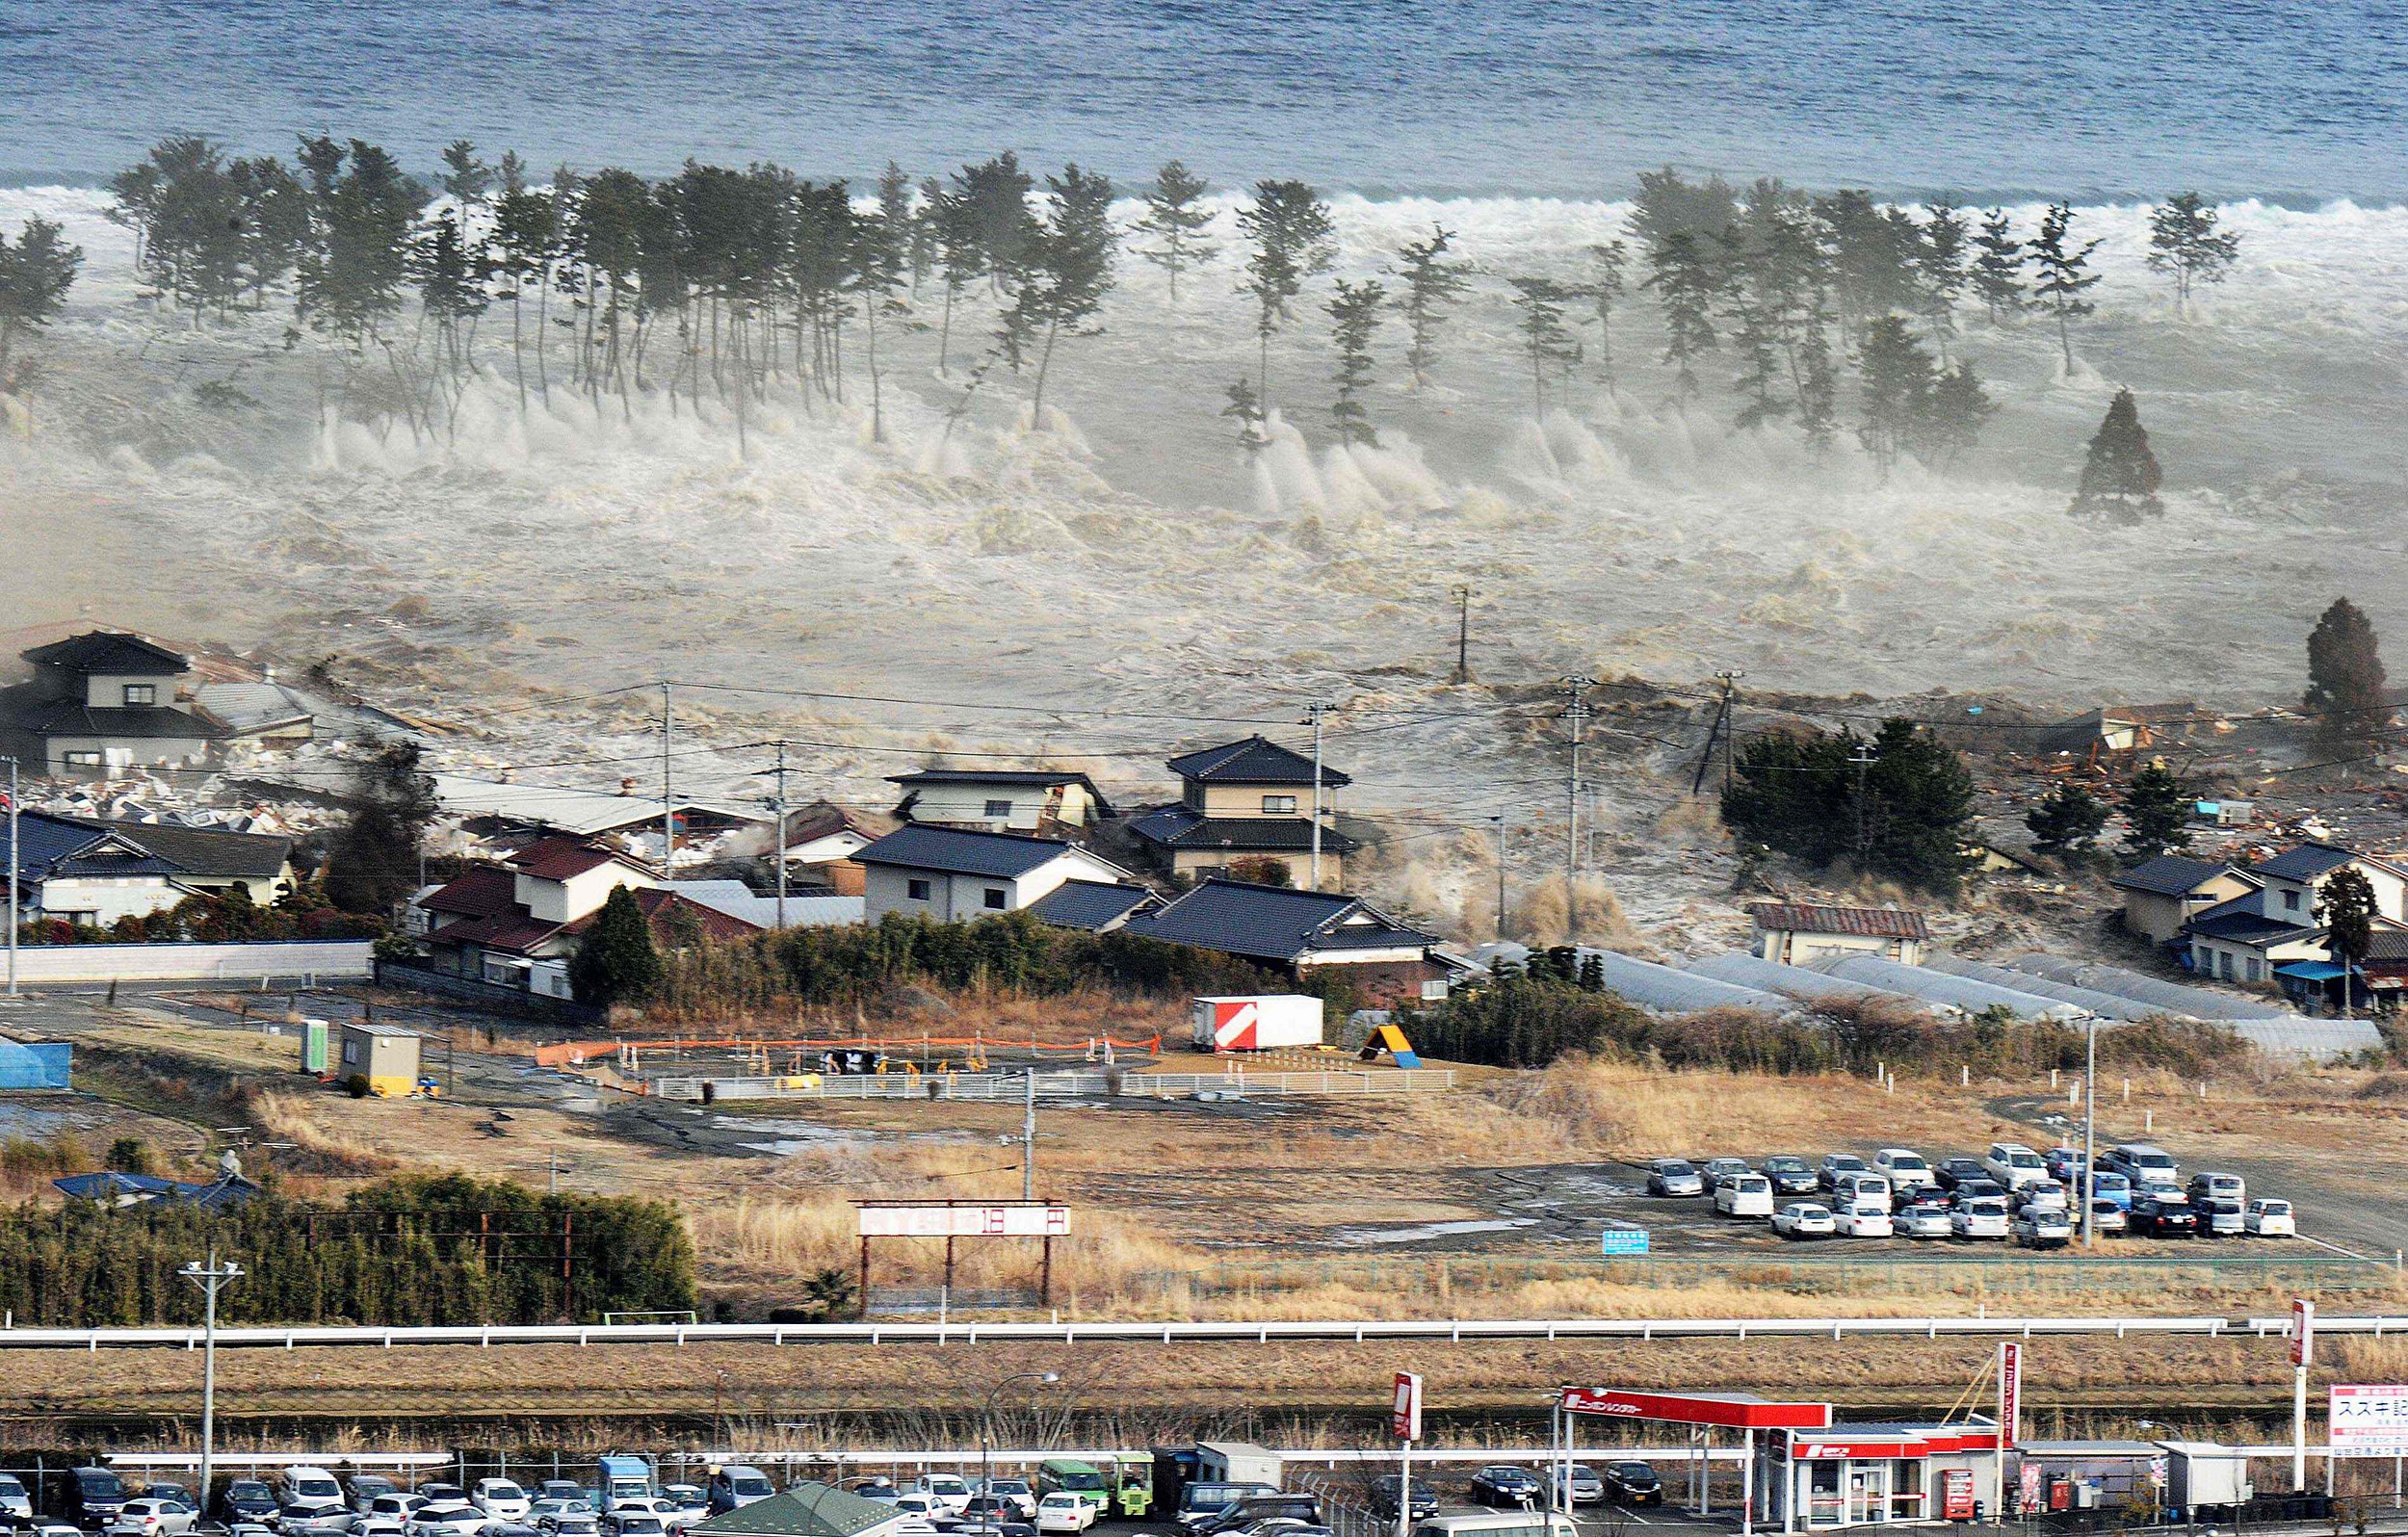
<point>1257,1022</point>
<point>1236,1462</point>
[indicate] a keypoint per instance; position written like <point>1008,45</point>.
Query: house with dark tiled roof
<point>92,873</point>
<point>1303,933</point>
<point>2252,938</point>
<point>809,1509</point>
<point>1045,802</point>
<point>1253,801</point>
<point>951,873</point>
<point>1795,933</point>
<point>1096,906</point>
<point>106,701</point>
<point>2163,894</point>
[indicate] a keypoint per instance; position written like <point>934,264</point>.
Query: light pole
<point>211,1278</point>
<point>2089,1134</point>
<point>986,1433</point>
<point>12,917</point>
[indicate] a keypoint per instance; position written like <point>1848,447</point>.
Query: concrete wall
<point>1033,806</point>
<point>102,899</point>
<point>194,962</point>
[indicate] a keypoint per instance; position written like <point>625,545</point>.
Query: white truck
<point>1236,1462</point>
<point>1257,1022</point>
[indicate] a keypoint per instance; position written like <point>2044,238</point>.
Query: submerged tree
<point>1687,282</point>
<point>2344,697</point>
<point>1998,272</point>
<point>1245,409</point>
<point>1073,267</point>
<point>1353,320</point>
<point>2120,479</point>
<point>1176,218</point>
<point>372,861</point>
<point>2065,275</point>
<point>36,273</point>
<point>1608,262</point>
<point>1294,239</point>
<point>2185,243</point>
<point>1546,341</point>
<point>1896,377</point>
<point>1431,282</point>
<point>1943,262</point>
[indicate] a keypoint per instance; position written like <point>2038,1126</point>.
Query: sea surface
<point>2296,101</point>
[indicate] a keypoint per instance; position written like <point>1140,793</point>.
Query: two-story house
<point>104,702</point>
<point>950,874</point>
<point>1047,802</point>
<point>1250,800</point>
<point>2252,937</point>
<point>2163,895</point>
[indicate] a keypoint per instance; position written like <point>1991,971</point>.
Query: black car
<point>1632,1483</point>
<point>2163,1216</point>
<point>1503,1484</point>
<point>246,1499</point>
<point>91,1497</point>
<point>1952,1171</point>
<point>1791,1174</point>
<point>1424,1499</point>
<point>1256,1508</point>
<point>1965,1190</point>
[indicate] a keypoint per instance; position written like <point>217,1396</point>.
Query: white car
<point>1064,1511</point>
<point>928,1507</point>
<point>552,1507</point>
<point>1859,1189</point>
<point>1984,1217</point>
<point>315,1521</point>
<point>1923,1219</point>
<point>1905,1169</point>
<point>951,1491</point>
<point>308,1486</point>
<point>2047,1194</point>
<point>2105,1217</point>
<point>502,1500</point>
<point>394,1507</point>
<point>1744,1195</point>
<point>2269,1220</point>
<point>378,1526</point>
<point>1863,1219</point>
<point>154,1517</point>
<point>1804,1219</point>
<point>688,1504</point>
<point>2015,1165</point>
<point>13,1500</point>
<point>2042,1227</point>
<point>448,1520</point>
<point>625,1521</point>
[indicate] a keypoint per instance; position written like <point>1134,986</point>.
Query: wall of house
<point>1198,862</point>
<point>564,901</point>
<point>1391,978</point>
<point>887,888</point>
<point>292,960</point>
<point>1246,800</point>
<point>2296,901</point>
<point>264,890</point>
<point>1796,948</point>
<point>126,752</point>
<point>2246,966</point>
<point>106,690</point>
<point>2159,918</point>
<point>103,900</point>
<point>965,806</point>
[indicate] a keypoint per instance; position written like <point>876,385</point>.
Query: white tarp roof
<point>583,812</point>
<point>1939,987</point>
<point>1741,969</point>
<point>1679,992</point>
<point>737,900</point>
<point>2090,1001</point>
<point>2169,998</point>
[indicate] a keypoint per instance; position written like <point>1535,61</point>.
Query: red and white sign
<point>2028,1488</point>
<point>1259,1023</point>
<point>1956,1494</point>
<point>2010,1391</point>
<point>2303,1331</point>
<point>1897,1444</point>
<point>1739,1413</point>
<point>1404,1417</point>
<point>1008,1219</point>
<point>2367,1422</point>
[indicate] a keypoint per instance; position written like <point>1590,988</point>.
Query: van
<point>1500,1523</point>
<point>91,1496</point>
<point>2141,1163</point>
<point>736,1486</point>
<point>1206,1497</point>
<point>309,1486</point>
<point>1861,1190</point>
<point>624,1477</point>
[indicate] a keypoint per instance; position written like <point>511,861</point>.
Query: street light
<point>987,1432</point>
<point>211,1278</point>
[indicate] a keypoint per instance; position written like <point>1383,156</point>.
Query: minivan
<point>736,1486</point>
<point>308,1486</point>
<point>1859,1189</point>
<point>1499,1524</point>
<point>91,1496</point>
<point>2015,1165</point>
<point>2141,1163</point>
<point>1904,1168</point>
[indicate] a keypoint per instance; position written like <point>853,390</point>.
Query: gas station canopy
<point>1736,1411</point>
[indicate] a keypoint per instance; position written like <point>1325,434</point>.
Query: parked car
<point>1578,1484</point>
<point>1954,1171</point>
<point>928,1508</point>
<point>2108,1185</point>
<point>308,1486</point>
<point>2141,1163</point>
<point>2221,1217</point>
<point>2042,1227</point>
<point>1791,1174</point>
<point>1980,1217</point>
<point>1863,1219</point>
<point>168,1489</point>
<point>563,1489</point>
<point>1716,1171</point>
<point>880,1489</point>
<point>1749,1195</point>
<point>1860,1190</point>
<point>2064,1163</point>
<point>1632,1483</point>
<point>92,1496</point>
<point>2014,1166</point>
<point>542,1513</point>
<point>629,1521</point>
<point>2105,1217</point>
<point>2269,1220</point>
<point>1983,1189</point>
<point>385,1527</point>
<point>1923,1219</point>
<point>1502,1483</point>
<point>1674,1176</point>
<point>307,1521</point>
<point>1064,1511</point>
<point>950,1489</point>
<point>501,1498</point>
<point>2210,1186</point>
<point>395,1506</point>
<point>15,1500</point>
<point>362,1489</point>
<point>440,1494</point>
<point>660,1508</point>
<point>1904,1168</point>
<point>735,1486</point>
<point>2164,1213</point>
<point>1388,1488</point>
<point>2041,1193</point>
<point>1248,1513</point>
<point>460,1518</point>
<point>1018,1493</point>
<point>1203,1501</point>
<point>1835,1164</point>
<point>151,1516</point>
<point>1804,1219</point>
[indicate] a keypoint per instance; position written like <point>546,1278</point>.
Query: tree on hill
<point>1176,218</point>
<point>2157,810</point>
<point>1431,282</point>
<point>2185,245</point>
<point>1353,320</point>
<point>2344,697</point>
<point>1998,274</point>
<point>2121,478</point>
<point>1898,805</point>
<point>2065,274</point>
<point>617,961</point>
<point>2067,823</point>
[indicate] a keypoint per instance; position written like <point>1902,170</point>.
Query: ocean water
<point>2094,99</point>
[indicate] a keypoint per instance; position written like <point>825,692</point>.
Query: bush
<point>130,1155</point>
<point>358,1086</point>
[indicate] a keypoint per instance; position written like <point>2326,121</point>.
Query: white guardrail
<point>1451,1330</point>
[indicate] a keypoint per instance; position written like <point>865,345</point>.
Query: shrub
<point>358,1086</point>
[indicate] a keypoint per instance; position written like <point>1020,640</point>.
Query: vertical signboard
<point>2011,1392</point>
<point>2303,1332</point>
<point>1404,1417</point>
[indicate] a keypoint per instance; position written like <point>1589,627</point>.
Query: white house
<point>1022,800</point>
<point>92,873</point>
<point>2247,938</point>
<point>950,873</point>
<point>1795,933</point>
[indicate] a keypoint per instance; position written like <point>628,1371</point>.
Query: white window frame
<point>1279,805</point>
<point>138,695</point>
<point>999,808</point>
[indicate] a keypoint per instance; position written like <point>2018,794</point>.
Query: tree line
<point>726,279</point>
<point>415,1249</point>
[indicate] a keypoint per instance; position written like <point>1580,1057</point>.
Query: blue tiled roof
<point>1177,826</point>
<point>2170,875</point>
<point>1255,761</point>
<point>2305,862</point>
<point>1089,904</point>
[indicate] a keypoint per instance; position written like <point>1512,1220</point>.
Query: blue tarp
<point>128,1190</point>
<point>2309,971</point>
<point>35,1065</point>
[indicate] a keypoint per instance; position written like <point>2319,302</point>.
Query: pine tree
<point>1353,320</point>
<point>35,273</point>
<point>2157,810</point>
<point>372,859</point>
<point>2346,907</point>
<point>1874,254</point>
<point>2120,480</point>
<point>2067,823</point>
<point>1943,261</point>
<point>275,222</point>
<point>1431,282</point>
<point>1688,283</point>
<point>1998,274</point>
<point>1903,814</point>
<point>2064,273</point>
<point>1073,264</point>
<point>466,180</point>
<point>1245,409</point>
<point>998,222</point>
<point>616,961</point>
<point>1609,263</point>
<point>525,243</point>
<point>1896,379</point>
<point>881,250</point>
<point>1294,239</point>
<point>2344,697</point>
<point>1954,417</point>
<point>2185,243</point>
<point>1667,206</point>
<point>896,228</point>
<point>1176,216</point>
<point>1546,341</point>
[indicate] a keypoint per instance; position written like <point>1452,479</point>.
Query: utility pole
<point>1027,1136</point>
<point>1499,819</point>
<point>668,813</point>
<point>1576,713</point>
<point>13,915</point>
<point>1863,759</point>
<point>1462,633</point>
<point>2089,1133</point>
<point>211,1278</point>
<point>1313,713</point>
<point>1730,677</point>
<point>780,806</point>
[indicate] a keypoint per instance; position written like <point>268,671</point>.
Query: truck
<point>1236,1462</point>
<point>2202,1476</point>
<point>1131,1475</point>
<point>622,1476</point>
<point>1256,1022</point>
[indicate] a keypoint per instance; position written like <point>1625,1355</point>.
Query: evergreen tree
<point>2120,479</point>
<point>1245,409</point>
<point>36,273</point>
<point>881,251</point>
<point>1667,206</point>
<point>1073,263</point>
<point>2185,243</point>
<point>2346,907</point>
<point>466,180</point>
<point>1898,380</point>
<point>1997,274</point>
<point>363,210</point>
<point>2064,273</point>
<point>524,244</point>
<point>1176,218</point>
<point>1609,264</point>
<point>616,961</point>
<point>2344,697</point>
<point>1431,283</point>
<point>1902,812</point>
<point>274,227</point>
<point>1953,419</point>
<point>372,861</point>
<point>1546,341</point>
<point>894,227</point>
<point>1943,261</point>
<point>1876,256</point>
<point>1294,239</point>
<point>189,216</point>
<point>2067,823</point>
<point>1353,320</point>
<point>959,261</point>
<point>1687,282</point>
<point>927,238</point>
<point>2157,810</point>
<point>999,224</point>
